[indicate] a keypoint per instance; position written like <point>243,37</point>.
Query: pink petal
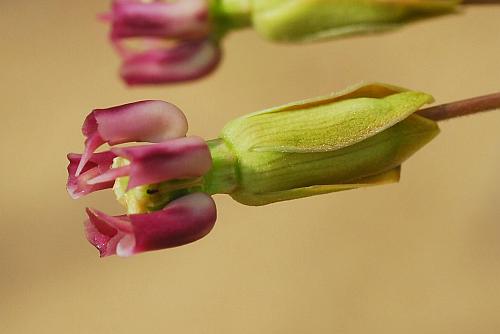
<point>180,19</point>
<point>174,159</point>
<point>147,121</point>
<point>182,221</point>
<point>105,232</point>
<point>99,163</point>
<point>186,61</point>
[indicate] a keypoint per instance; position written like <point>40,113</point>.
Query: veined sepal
<point>326,143</point>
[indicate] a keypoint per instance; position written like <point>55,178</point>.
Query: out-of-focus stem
<point>461,108</point>
<point>481,2</point>
<point>231,14</point>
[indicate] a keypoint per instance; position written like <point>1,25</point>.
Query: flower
<point>171,156</point>
<point>173,41</point>
<point>351,139</point>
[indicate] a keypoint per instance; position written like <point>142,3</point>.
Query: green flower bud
<point>307,20</point>
<point>342,141</point>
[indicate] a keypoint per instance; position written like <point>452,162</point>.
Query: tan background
<point>419,257</point>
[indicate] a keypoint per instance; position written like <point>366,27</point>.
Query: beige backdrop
<point>419,257</point>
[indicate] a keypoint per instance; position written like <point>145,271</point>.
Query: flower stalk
<point>462,108</point>
<point>481,2</point>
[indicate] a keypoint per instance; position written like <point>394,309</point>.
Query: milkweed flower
<point>172,157</point>
<point>170,41</point>
<point>351,139</point>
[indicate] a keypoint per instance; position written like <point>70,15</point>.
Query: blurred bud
<point>309,20</point>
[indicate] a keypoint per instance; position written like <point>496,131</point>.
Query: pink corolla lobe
<point>98,164</point>
<point>182,62</point>
<point>181,158</point>
<point>144,121</point>
<point>179,19</point>
<point>177,42</point>
<point>182,221</point>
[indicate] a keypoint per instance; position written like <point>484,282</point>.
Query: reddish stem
<point>481,2</point>
<point>462,108</point>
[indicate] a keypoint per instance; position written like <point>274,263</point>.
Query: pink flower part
<point>185,61</point>
<point>182,221</point>
<point>98,164</point>
<point>180,158</point>
<point>179,19</point>
<point>147,121</point>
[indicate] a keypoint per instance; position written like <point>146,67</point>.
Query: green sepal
<point>330,122</point>
<point>275,171</point>
<point>391,176</point>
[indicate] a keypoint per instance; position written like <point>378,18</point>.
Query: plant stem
<point>462,108</point>
<point>480,2</point>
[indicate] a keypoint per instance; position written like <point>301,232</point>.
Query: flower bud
<point>342,141</point>
<point>308,20</point>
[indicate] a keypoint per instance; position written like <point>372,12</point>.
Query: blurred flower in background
<point>172,41</point>
<point>163,41</point>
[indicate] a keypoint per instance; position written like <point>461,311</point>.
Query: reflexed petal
<point>146,121</point>
<point>174,159</point>
<point>186,61</point>
<point>99,163</point>
<point>105,232</point>
<point>182,221</point>
<point>180,19</point>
